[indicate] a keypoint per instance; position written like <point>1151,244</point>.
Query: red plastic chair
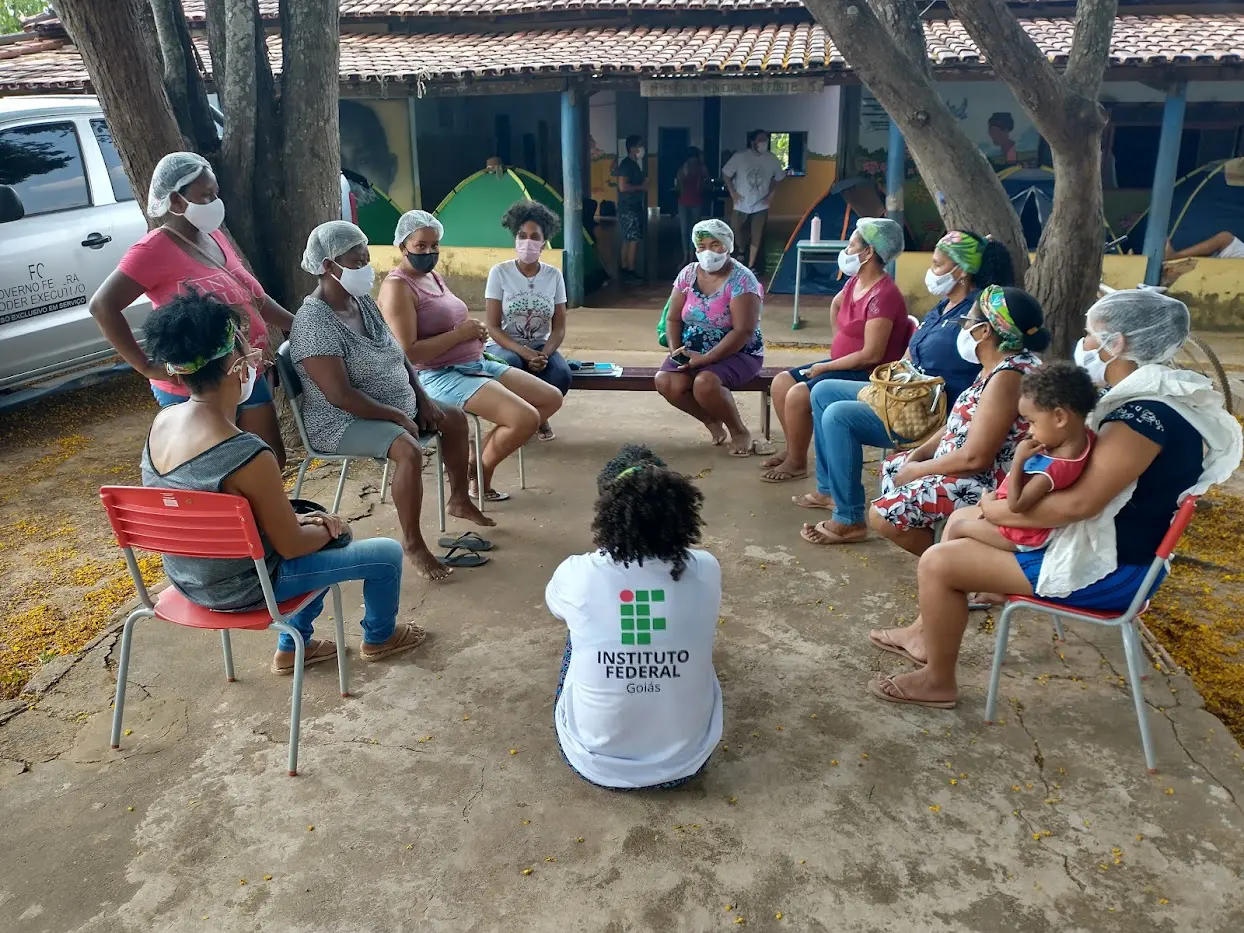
<point>1126,623</point>
<point>214,525</point>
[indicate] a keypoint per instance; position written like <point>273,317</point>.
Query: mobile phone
<point>680,358</point>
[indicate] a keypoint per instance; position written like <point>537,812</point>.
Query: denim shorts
<point>261,395</point>
<point>454,385</point>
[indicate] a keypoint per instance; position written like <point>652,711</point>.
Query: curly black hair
<point>188,328</point>
<point>645,511</point>
<point>522,211</point>
<point>1061,384</point>
<point>996,266</point>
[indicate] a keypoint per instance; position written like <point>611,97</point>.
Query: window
<point>43,164</point>
<point>112,161</point>
<point>790,148</point>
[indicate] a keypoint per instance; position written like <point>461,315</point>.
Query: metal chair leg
<point>228,649</point>
<point>522,470</point>
<point>1133,652</point>
<point>123,670</point>
<point>440,483</point>
<point>295,705</point>
<point>999,651</point>
<point>302,474</point>
<point>343,670</point>
<point>384,481</point>
<point>479,462</point>
<point>766,423</point>
<point>1058,628</point>
<point>341,485</point>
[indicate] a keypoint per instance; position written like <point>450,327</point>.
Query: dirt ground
<point>426,797</point>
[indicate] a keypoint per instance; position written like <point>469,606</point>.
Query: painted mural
<point>375,155</point>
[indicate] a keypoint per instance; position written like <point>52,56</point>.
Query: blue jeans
<point>556,372</point>
<point>376,561</point>
<point>841,426</point>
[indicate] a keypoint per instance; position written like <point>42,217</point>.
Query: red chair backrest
<point>182,523</point>
<point>1179,524</point>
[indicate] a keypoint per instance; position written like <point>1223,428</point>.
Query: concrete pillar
<point>895,171</point>
<point>411,109</point>
<point>574,116</point>
<point>1164,180</point>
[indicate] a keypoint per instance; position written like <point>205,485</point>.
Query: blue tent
<point>1031,191</point>
<point>1206,201</point>
<point>837,222</point>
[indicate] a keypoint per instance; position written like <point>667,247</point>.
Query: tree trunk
<point>237,88</point>
<point>182,80</point>
<point>125,76</point>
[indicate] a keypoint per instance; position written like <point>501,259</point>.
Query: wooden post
<point>574,103</point>
<point>1164,181</point>
<point>411,110</point>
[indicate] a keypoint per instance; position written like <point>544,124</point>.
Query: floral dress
<point>706,319</point>
<point>926,501</point>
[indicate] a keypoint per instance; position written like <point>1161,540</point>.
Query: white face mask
<point>939,284</point>
<point>711,260</point>
<point>206,218</point>
<point>849,263</point>
<point>1090,361</point>
<point>249,385</point>
<point>966,344</point>
<point>358,282</point>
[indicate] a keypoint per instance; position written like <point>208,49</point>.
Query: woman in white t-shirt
<point>525,302</point>
<point>638,703</point>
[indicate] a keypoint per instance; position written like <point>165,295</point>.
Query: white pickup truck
<point>67,216</point>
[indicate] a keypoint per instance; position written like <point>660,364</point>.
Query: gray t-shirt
<point>214,582</point>
<point>375,365</point>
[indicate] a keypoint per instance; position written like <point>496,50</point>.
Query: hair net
<point>172,173</point>
<point>713,229</point>
<point>330,241</point>
<point>1153,326</point>
<point>883,235</point>
<point>411,221</point>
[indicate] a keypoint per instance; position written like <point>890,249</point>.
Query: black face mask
<point>423,262</point>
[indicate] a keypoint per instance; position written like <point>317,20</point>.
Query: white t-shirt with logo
<point>753,174</point>
<point>527,305</point>
<point>640,704</point>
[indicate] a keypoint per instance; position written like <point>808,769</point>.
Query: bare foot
<point>775,461</point>
<point>426,564</point>
<point>741,444</point>
<point>718,431</point>
<point>813,500</point>
<point>314,651</point>
<point>784,471</point>
<point>905,642</point>
<point>831,533</point>
<point>916,688</point>
<point>466,508</point>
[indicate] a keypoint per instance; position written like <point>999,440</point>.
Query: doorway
<point>672,145</point>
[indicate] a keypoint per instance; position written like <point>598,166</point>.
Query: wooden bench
<point>643,379</point>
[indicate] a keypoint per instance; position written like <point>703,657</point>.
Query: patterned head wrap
<point>713,229</point>
<point>964,250</point>
<point>183,369</point>
<point>993,306</point>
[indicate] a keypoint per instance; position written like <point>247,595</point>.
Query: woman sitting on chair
<point>200,447</point>
<point>1162,434</point>
<point>361,397</point>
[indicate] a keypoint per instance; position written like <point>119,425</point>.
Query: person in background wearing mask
<point>632,179</point>
<point>963,263</point>
<point>871,327</point>
<point>525,302</point>
<point>189,253</point>
<point>751,177</point>
<point>446,347</point>
<point>361,398</point>
<point>714,324</point>
<point>1162,434</point>
<point>200,447</point>
<point>691,180</point>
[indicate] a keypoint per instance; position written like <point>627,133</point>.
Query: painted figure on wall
<point>365,145</point>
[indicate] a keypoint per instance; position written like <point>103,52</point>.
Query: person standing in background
<point>632,176</point>
<point>691,180</point>
<point>751,177</point>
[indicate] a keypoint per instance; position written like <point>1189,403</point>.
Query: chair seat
<point>1073,610</point>
<point>173,606</point>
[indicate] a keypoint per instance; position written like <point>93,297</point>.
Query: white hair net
<point>330,241</point>
<point>1153,326</point>
<point>172,173</point>
<point>883,235</point>
<point>411,221</point>
<point>713,229</point>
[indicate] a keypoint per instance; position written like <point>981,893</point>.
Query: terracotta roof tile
<point>651,50</point>
<point>377,9</point>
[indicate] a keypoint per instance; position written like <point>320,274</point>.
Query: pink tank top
<point>439,314</point>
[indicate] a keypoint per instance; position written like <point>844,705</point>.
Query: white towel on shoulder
<point>1082,553</point>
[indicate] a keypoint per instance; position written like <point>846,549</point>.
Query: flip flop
<point>763,447</point>
<point>983,605</point>
<point>412,636</point>
<point>746,452</point>
<point>545,433</point>
<point>462,557</point>
<point>316,651</point>
<point>782,476</point>
<point>876,689</point>
<point>811,533</point>
<point>775,461</point>
<point>895,649</point>
<point>491,495</point>
<point>468,541</point>
<point>807,501</point>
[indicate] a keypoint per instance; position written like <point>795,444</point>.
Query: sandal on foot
<point>462,557</point>
<point>821,534</point>
<point>978,603</point>
<point>775,461</point>
<point>896,649</point>
<point>468,541</point>
<point>545,433</point>
<point>783,476</point>
<point>316,651</point>
<point>763,446</point>
<point>809,501</point>
<point>490,495</point>
<point>884,688</point>
<point>411,636</point>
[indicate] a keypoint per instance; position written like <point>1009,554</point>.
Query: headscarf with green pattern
<point>964,250</point>
<point>993,306</point>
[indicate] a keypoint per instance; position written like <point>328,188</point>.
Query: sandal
<point>315,651</point>
<point>775,461</point>
<point>879,687</point>
<point>490,495</point>
<point>823,535</point>
<point>411,636</point>
<point>980,602</point>
<point>463,557</point>
<point>810,501</point>
<point>762,446</point>
<point>468,541</point>
<point>895,649</point>
<point>545,433</point>
<point>783,476</point>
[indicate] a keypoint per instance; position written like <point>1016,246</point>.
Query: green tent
<point>472,213</point>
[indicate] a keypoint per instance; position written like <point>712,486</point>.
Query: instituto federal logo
<point>640,615</point>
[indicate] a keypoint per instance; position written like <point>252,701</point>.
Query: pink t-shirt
<point>883,300</point>
<point>1061,474</point>
<point>165,270</point>
<point>439,314</point>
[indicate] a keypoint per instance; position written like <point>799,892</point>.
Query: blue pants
<point>376,561</point>
<point>556,372</point>
<point>841,427</point>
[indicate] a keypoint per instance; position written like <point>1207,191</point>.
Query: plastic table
<point>808,251</point>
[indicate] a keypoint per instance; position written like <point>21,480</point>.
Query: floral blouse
<point>706,318</point>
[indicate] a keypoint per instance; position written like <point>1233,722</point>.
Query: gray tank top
<point>212,582</point>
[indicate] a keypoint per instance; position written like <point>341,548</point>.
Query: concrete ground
<point>425,797</point>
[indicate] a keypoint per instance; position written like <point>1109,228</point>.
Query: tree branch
<point>214,10</point>
<point>1090,46</point>
<point>182,79</point>
<point>902,21</point>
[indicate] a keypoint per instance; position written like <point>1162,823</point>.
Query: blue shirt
<point>933,347</point>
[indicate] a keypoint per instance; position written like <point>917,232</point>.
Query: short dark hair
<point>520,212</point>
<point>752,135</point>
<point>644,511</point>
<point>1061,384</point>
<point>188,328</point>
<point>693,152</point>
<point>632,141</point>
<point>1002,120</point>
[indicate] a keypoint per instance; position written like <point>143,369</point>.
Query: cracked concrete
<point>410,813</point>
